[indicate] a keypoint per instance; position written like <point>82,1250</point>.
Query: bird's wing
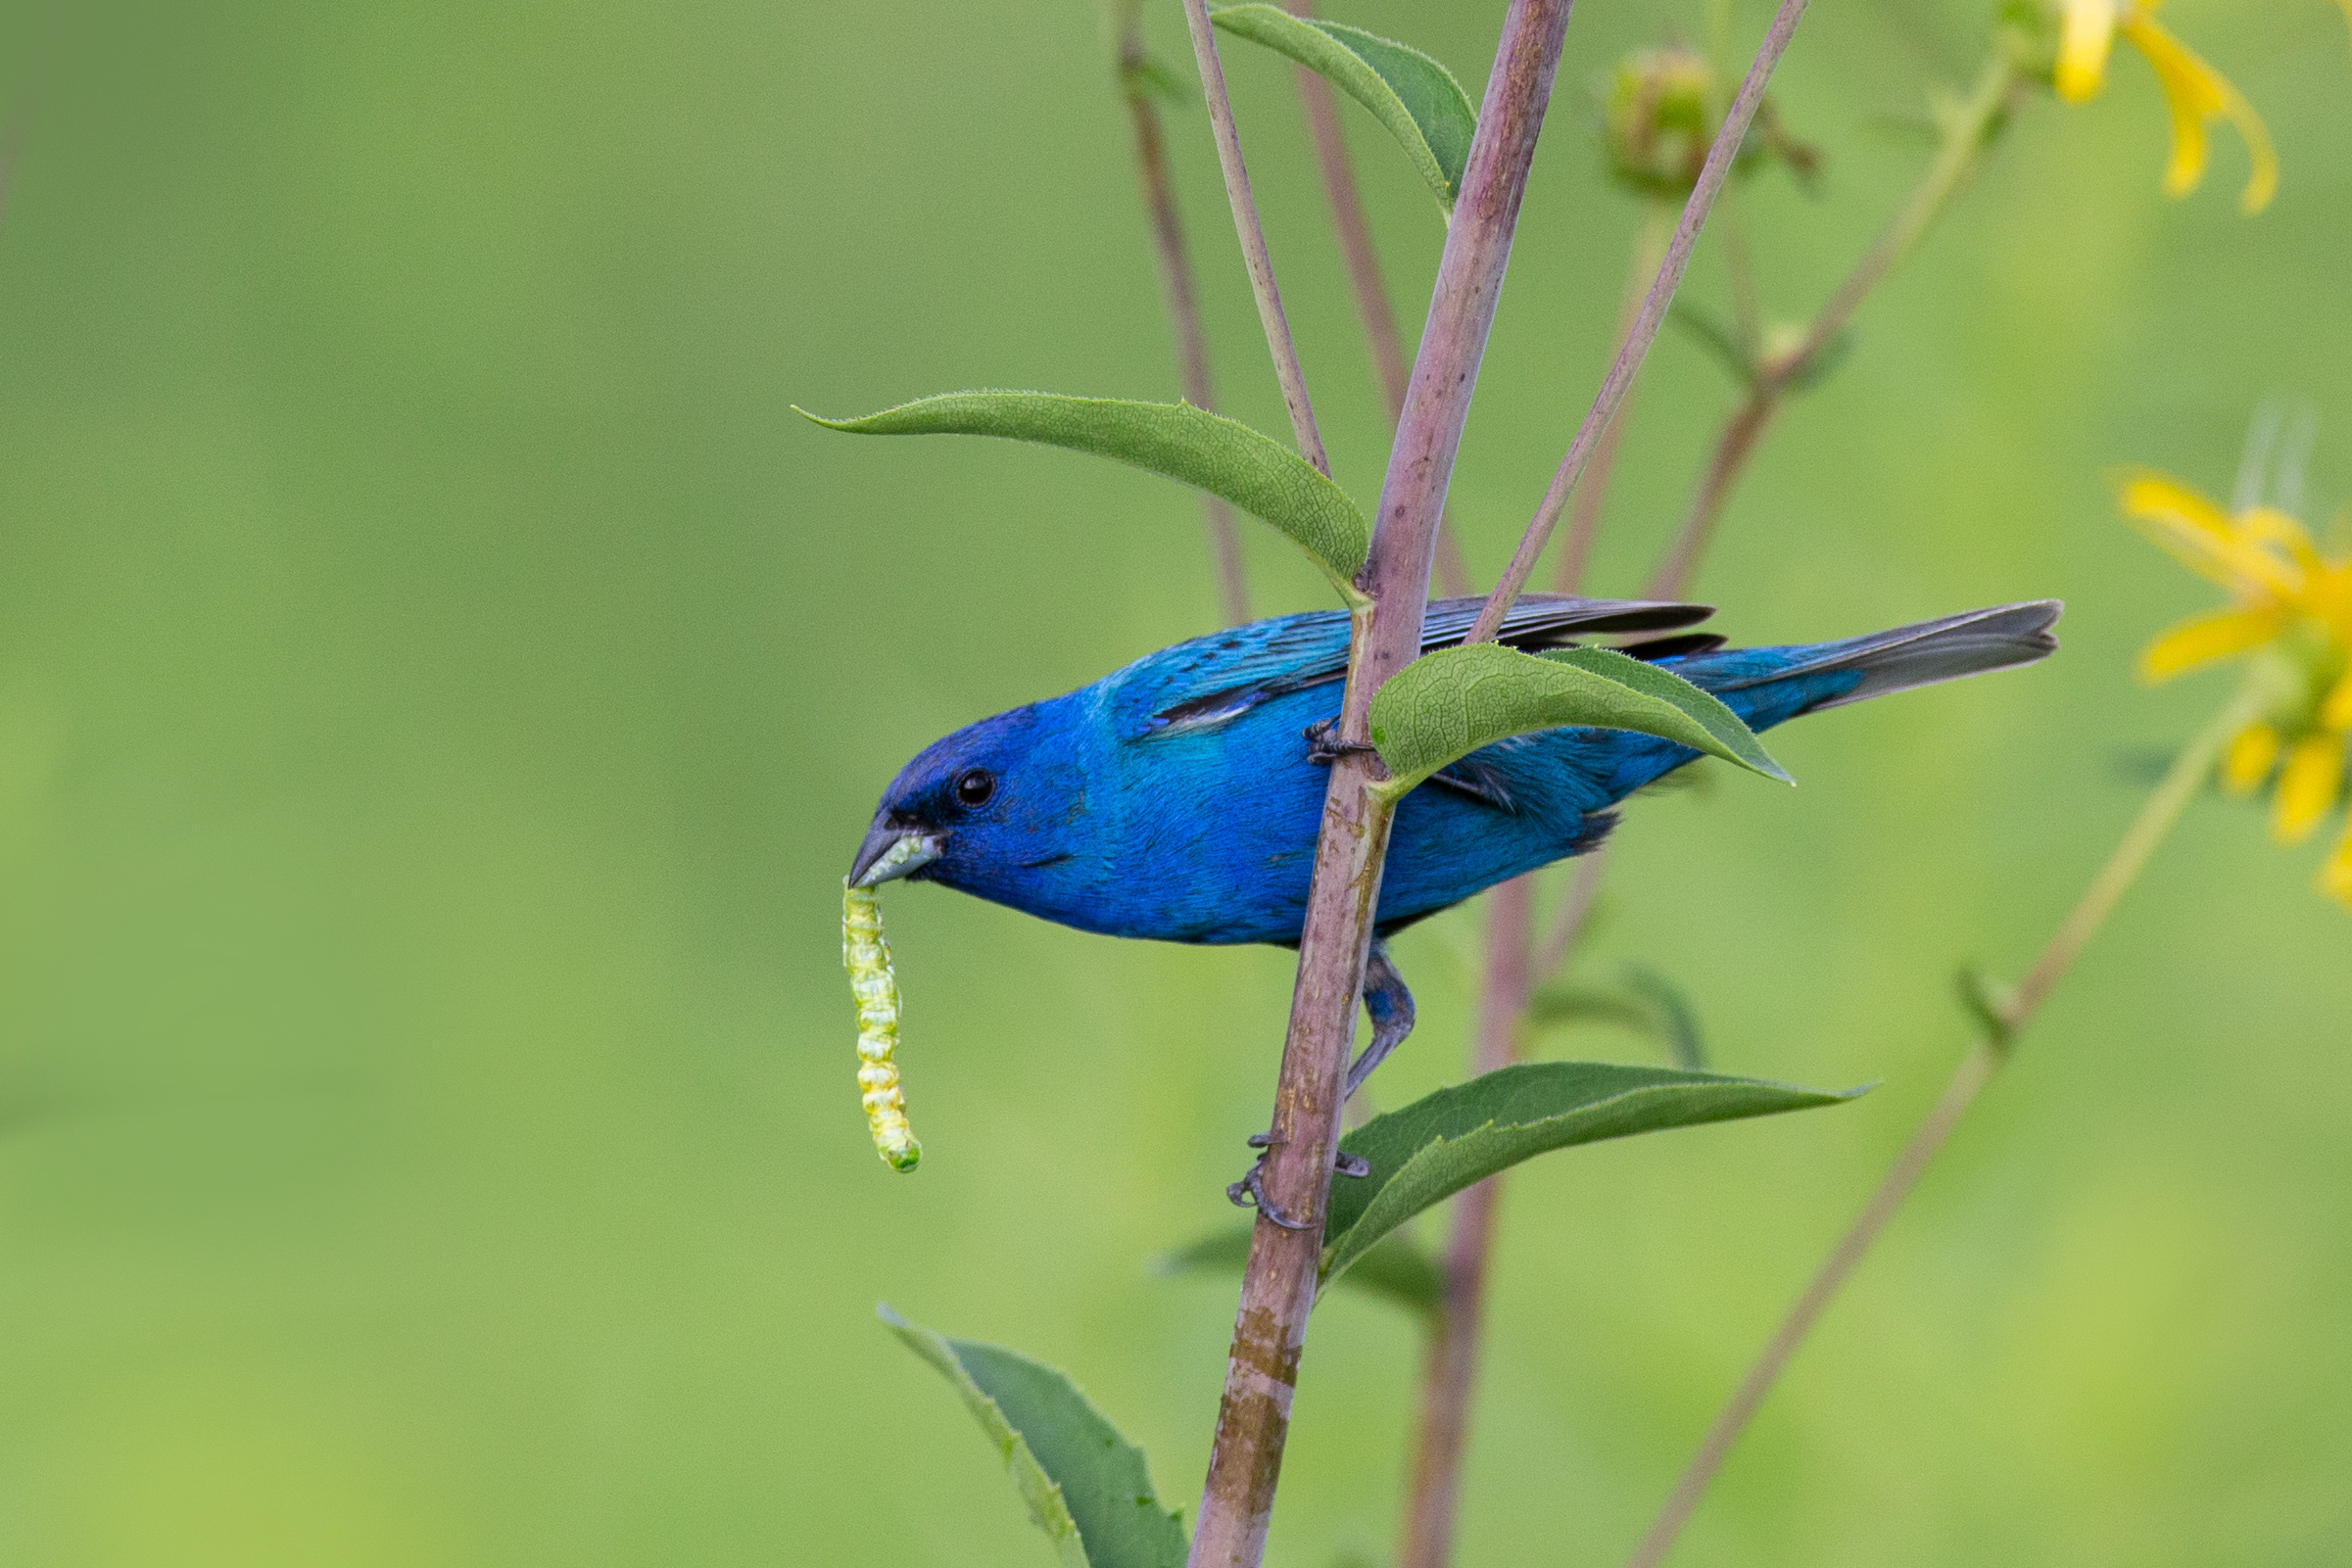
<point>1213,679</point>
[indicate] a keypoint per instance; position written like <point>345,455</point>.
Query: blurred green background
<point>441,686</point>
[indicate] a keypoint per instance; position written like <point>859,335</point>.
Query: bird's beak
<point>890,851</point>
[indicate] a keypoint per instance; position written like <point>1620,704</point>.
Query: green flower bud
<point>1663,109</point>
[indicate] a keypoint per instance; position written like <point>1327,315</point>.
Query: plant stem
<point>1183,299</point>
<point>1278,1284</point>
<point>1452,1357</point>
<point>1365,281</point>
<point>1568,926</point>
<point>1450,1364</point>
<point>2156,818</point>
<point>1966,137</point>
<point>1739,436</point>
<point>1614,385</point>
<point>1252,234</point>
<point>1648,249</point>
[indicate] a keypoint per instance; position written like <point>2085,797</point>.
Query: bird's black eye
<point>974,787</point>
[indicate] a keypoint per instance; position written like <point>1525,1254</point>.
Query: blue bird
<point>1179,798</point>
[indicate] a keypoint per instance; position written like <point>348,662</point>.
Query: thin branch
<point>1253,238</point>
<point>1575,910</point>
<point>1278,1284</point>
<point>1965,140</point>
<point>1592,491</point>
<point>1733,444</point>
<point>2156,818</point>
<point>1450,1362</point>
<point>1184,301</point>
<point>1363,274</point>
<point>1620,375</point>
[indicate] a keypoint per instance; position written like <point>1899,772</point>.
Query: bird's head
<point>989,810</point>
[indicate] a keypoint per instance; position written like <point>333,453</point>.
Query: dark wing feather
<point>1214,679</point>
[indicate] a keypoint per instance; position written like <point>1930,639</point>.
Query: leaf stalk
<point>2148,830</point>
<point>1182,294</point>
<point>1629,363</point>
<point>1252,234</point>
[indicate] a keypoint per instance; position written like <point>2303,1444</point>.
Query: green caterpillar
<point>868,959</point>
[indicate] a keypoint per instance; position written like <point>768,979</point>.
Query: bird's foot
<point>1250,1191</point>
<point>1325,747</point>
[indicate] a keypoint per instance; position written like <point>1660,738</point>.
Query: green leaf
<point>1645,1002</point>
<point>1988,1001</point>
<point>1565,1003</point>
<point>1417,99</point>
<point>1152,78</point>
<point>1445,705</point>
<point>1086,1486</point>
<point>1222,456</point>
<point>1396,1269</point>
<point>1673,1018</point>
<point>1708,331</point>
<point>1426,1152</point>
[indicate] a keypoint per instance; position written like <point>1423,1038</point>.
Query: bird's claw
<point>1250,1193</point>
<point>1323,748</point>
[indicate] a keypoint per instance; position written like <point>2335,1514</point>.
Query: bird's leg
<point>1389,1006</point>
<point>1325,747</point>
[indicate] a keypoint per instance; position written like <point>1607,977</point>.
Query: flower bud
<point>1663,109</point>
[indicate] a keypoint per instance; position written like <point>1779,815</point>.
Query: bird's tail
<point>1768,685</point>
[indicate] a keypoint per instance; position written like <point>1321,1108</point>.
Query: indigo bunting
<point>1179,798</point>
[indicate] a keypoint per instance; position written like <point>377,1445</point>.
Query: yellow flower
<point>2294,609</point>
<point>2197,94</point>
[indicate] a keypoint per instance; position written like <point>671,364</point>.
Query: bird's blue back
<point>1194,804</point>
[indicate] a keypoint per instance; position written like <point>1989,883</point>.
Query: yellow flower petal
<point>2248,760</point>
<point>2207,639</point>
<point>2337,712</point>
<point>2270,525</point>
<point>2200,535</point>
<point>2195,93</point>
<point>2086,34</point>
<point>2307,786</point>
<point>2335,877</point>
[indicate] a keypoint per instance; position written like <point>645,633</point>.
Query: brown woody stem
<point>1629,363</point>
<point>1370,288</point>
<point>1183,298</point>
<point>1278,1284</point>
<point>2156,818</point>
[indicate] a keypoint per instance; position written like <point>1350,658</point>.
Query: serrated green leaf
<point>1410,93</point>
<point>1222,456</point>
<point>1445,705</point>
<point>1396,1269</point>
<point>1086,1486</point>
<point>1426,1152</point>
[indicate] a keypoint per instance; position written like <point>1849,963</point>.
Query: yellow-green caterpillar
<point>868,959</point>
